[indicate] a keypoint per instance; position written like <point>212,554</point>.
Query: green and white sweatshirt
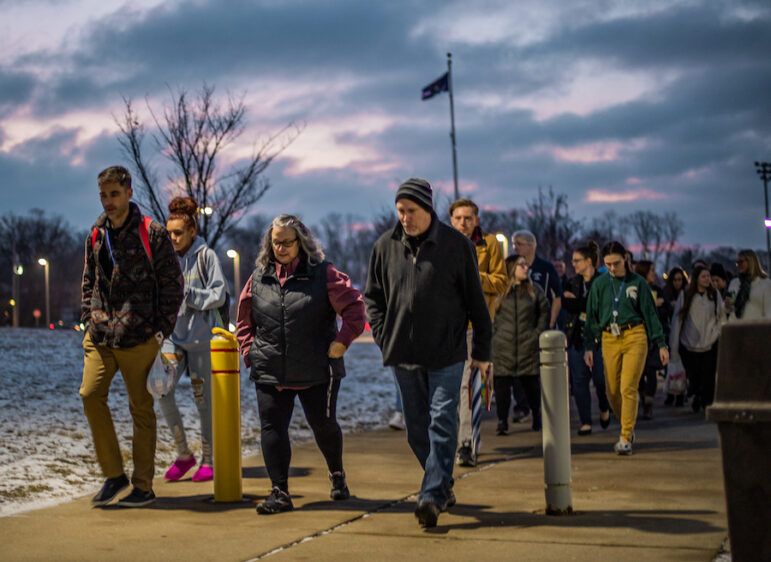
<point>635,306</point>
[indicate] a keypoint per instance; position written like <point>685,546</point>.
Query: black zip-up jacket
<point>419,305</point>
<point>576,308</point>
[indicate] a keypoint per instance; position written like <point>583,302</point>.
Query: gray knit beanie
<point>416,190</point>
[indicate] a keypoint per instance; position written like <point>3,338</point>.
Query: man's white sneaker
<point>396,421</point>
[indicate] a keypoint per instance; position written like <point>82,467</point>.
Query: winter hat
<point>717,270</point>
<point>416,190</point>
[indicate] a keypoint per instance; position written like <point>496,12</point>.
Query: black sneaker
<point>137,498</point>
<point>276,502</point>
<point>339,487</point>
<point>466,456</point>
<point>520,415</point>
<point>503,427</point>
<point>427,514</point>
<point>451,500</point>
<point>111,488</point>
<point>669,400</point>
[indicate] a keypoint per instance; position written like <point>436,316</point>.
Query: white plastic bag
<point>676,380</point>
<point>163,373</point>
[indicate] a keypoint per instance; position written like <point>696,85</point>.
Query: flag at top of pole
<point>444,84</point>
<point>441,84</point>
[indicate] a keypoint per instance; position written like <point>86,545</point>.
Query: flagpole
<point>452,126</point>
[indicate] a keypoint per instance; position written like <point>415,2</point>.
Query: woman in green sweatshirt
<point>621,316</point>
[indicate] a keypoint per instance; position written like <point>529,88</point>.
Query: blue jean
<point>430,398</point>
<point>581,375</point>
<point>398,402</point>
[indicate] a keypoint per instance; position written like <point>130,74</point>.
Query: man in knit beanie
<point>423,288</point>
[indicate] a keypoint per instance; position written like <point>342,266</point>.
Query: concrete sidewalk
<point>665,502</point>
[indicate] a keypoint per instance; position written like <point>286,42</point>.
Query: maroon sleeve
<point>348,303</point>
<point>244,325</point>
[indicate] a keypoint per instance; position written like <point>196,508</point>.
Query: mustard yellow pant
<point>624,358</point>
<point>99,366</point>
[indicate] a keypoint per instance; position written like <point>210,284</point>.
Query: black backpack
<point>224,310</point>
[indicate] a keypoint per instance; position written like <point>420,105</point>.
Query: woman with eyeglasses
<point>621,315</point>
<point>577,289</point>
<point>288,336</point>
<point>749,294</point>
<point>522,314</point>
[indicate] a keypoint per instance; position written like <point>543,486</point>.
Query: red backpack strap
<point>144,235</point>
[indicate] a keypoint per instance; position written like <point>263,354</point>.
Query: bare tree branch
<point>191,133</point>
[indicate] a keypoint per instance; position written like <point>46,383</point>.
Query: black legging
<point>504,385</point>
<point>700,370</point>
<point>276,409</point>
<point>648,381</point>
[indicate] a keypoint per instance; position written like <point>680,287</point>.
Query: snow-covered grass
<point>46,455</point>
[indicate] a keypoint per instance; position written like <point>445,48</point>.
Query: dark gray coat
<point>518,324</point>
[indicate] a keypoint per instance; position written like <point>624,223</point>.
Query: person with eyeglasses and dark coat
<point>288,336</point>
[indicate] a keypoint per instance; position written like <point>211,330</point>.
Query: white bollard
<point>555,412</point>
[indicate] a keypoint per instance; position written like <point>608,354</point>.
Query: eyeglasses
<point>577,261</point>
<point>522,264</point>
<point>283,243</point>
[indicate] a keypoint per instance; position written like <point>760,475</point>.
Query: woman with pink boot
<point>205,292</point>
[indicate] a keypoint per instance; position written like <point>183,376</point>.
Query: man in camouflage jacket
<point>131,292</point>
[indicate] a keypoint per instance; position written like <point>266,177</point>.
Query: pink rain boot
<point>177,470</point>
<point>204,473</point>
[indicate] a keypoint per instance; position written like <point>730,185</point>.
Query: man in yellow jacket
<point>464,216</point>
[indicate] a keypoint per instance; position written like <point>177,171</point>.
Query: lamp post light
<point>18,271</point>
<point>764,171</point>
<point>236,257</point>
<point>44,263</point>
<point>504,242</point>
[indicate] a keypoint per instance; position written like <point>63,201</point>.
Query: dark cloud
<point>56,174</point>
<point>693,138</point>
<point>15,89</point>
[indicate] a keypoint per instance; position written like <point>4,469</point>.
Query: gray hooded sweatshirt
<point>198,313</point>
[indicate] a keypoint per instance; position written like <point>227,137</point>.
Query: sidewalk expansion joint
<point>481,467</point>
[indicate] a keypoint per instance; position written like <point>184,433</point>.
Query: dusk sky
<point>623,105</point>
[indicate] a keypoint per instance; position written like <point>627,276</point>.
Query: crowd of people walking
<point>448,310</point>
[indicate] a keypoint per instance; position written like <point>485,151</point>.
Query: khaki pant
<point>99,366</point>
<point>464,406</point>
<point>624,358</point>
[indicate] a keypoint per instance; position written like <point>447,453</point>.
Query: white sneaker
<point>623,447</point>
<point>396,421</point>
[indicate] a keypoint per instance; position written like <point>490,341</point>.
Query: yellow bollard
<point>226,416</point>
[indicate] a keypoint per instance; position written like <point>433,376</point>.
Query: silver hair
<point>524,235</point>
<point>308,243</point>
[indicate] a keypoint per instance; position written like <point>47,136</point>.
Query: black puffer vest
<point>294,326</point>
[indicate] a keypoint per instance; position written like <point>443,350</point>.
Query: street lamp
<point>236,257</point>
<point>44,263</point>
<point>504,242</point>
<point>764,171</point>
<point>18,271</point>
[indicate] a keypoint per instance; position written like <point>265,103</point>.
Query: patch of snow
<point>46,453</point>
